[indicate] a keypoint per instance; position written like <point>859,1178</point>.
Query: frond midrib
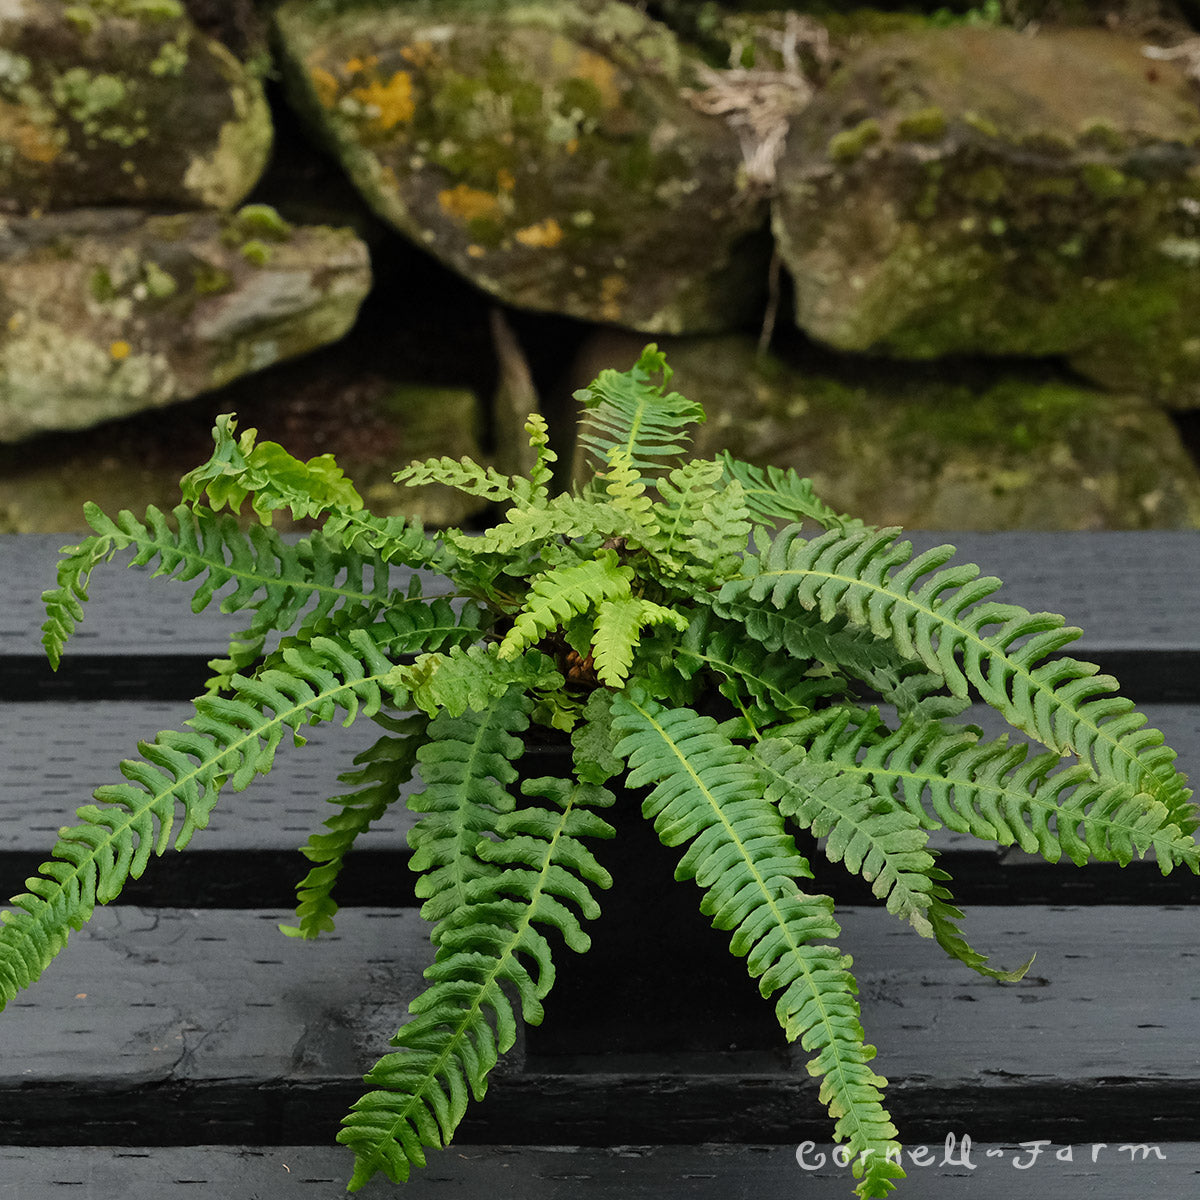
<point>990,651</point>
<point>794,947</point>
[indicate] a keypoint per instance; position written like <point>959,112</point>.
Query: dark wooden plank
<point>253,1037</point>
<point>984,1171</point>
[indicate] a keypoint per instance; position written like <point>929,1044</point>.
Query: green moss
<point>210,280</point>
<point>849,144</point>
<point>981,124</point>
<point>257,254</point>
<point>261,221</point>
<point>100,285</point>
<point>985,185</point>
<point>171,58</point>
<point>84,95</point>
<point>1101,134</point>
<point>160,284</point>
<point>924,125</point>
<point>1104,182</point>
<point>147,10</point>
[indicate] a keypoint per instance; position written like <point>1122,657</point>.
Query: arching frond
<point>617,630</point>
<point>177,781</point>
<point>491,897</point>
<point>468,477</point>
<point>1046,804</point>
<point>946,620</point>
<point>707,794</point>
<point>381,771</point>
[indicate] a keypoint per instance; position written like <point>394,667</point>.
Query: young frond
<point>564,516</point>
<point>708,792</point>
<point>946,620</point>
<point>470,478</point>
<point>626,410</point>
<point>627,492</point>
<point>558,596</point>
<point>269,476</point>
<point>776,494</point>
<point>473,677</point>
<point>618,628</point>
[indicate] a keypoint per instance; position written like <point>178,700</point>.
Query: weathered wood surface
<point>181,1016</point>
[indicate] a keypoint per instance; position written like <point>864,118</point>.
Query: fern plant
<point>709,631</point>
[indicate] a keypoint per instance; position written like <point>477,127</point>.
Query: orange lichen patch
<point>612,288</point>
<point>504,180</point>
<point>467,203</point>
<point>33,142</point>
<point>354,65</point>
<point>392,101</point>
<point>544,235</point>
<point>474,251</point>
<point>420,54</point>
<point>601,73</point>
<point>119,350</point>
<point>571,145</point>
<point>325,84</point>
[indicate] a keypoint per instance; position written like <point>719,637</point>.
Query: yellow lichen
<point>420,54</point>
<point>467,203</point>
<point>389,104</point>
<point>601,73</point>
<point>119,349</point>
<point>545,235</point>
<point>325,84</point>
<point>612,287</point>
<point>474,251</point>
<point>504,180</point>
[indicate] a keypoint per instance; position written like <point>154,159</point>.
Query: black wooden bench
<point>182,1044</point>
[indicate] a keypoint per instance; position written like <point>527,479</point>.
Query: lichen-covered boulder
<point>104,312</point>
<point>546,151</point>
<point>978,190</point>
<point>123,102</point>
<point>928,448</point>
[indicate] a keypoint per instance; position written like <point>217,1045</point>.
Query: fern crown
<point>777,678</point>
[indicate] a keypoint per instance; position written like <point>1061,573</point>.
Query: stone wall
<point>947,263</point>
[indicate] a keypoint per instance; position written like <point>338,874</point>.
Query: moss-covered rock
<point>546,151</point>
<point>123,101</point>
<point>972,190</point>
<point>108,311</point>
<point>931,448</point>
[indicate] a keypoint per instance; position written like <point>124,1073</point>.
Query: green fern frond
<point>381,771</point>
<point>466,767</point>
<point>536,871</point>
<point>707,791</point>
<point>541,474</point>
<point>873,837</point>
<point>782,495</point>
<point>996,791</point>
<point>558,596</point>
<point>617,630</point>
<point>626,410</point>
<point>746,671</point>
<point>180,774</point>
<point>263,574</point>
<point>627,492</point>
<point>946,620</point>
<point>268,475</point>
<point>804,635</point>
<point>396,540</point>
<point>563,517</point>
<point>473,677</point>
<point>468,477</point>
